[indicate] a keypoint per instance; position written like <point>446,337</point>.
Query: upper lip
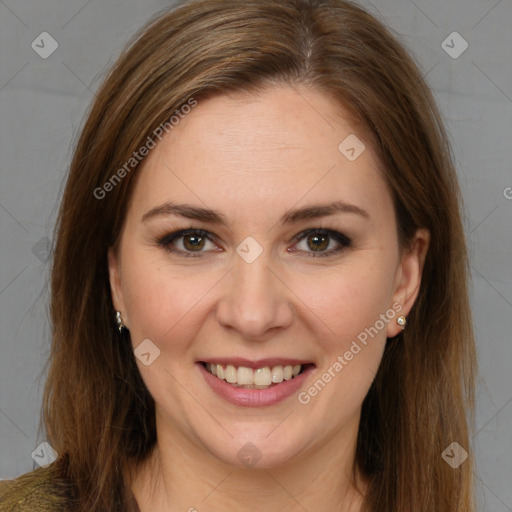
<point>260,363</point>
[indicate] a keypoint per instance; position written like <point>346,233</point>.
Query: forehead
<point>278,121</point>
<point>260,151</point>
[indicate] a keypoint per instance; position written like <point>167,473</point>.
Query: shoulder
<point>32,492</point>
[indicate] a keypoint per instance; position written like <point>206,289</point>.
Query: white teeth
<point>260,378</point>
<point>277,374</point>
<point>230,374</point>
<point>245,375</point>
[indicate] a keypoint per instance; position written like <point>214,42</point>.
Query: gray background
<point>42,103</point>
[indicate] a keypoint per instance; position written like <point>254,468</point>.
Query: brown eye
<point>188,242</point>
<point>318,242</point>
<point>193,242</point>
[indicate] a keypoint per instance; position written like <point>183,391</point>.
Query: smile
<point>254,378</point>
<point>255,383</point>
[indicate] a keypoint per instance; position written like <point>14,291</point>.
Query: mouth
<point>253,376</point>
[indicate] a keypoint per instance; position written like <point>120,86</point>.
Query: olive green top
<point>32,492</point>
<point>42,490</point>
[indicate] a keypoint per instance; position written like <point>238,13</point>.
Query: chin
<point>259,450</point>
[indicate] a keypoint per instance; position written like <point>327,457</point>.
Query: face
<point>290,263</point>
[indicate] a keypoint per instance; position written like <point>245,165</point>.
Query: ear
<point>114,272</point>
<point>408,278</point>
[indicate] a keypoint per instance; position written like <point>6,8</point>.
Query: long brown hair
<point>98,414</point>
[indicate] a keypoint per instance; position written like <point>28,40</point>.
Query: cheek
<point>352,316</point>
<point>161,301</point>
<point>350,302</point>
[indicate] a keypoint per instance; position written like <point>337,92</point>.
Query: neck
<point>183,476</point>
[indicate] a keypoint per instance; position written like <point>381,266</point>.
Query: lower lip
<point>255,397</point>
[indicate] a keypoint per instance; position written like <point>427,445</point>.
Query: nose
<point>255,300</point>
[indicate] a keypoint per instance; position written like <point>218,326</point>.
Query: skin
<point>252,158</point>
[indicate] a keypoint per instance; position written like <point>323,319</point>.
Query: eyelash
<point>343,240</point>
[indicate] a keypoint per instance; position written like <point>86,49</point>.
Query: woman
<point>259,291</point>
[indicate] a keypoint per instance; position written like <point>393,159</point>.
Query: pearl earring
<point>119,322</point>
<point>401,321</point>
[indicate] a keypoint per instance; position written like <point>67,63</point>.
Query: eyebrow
<point>290,217</point>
